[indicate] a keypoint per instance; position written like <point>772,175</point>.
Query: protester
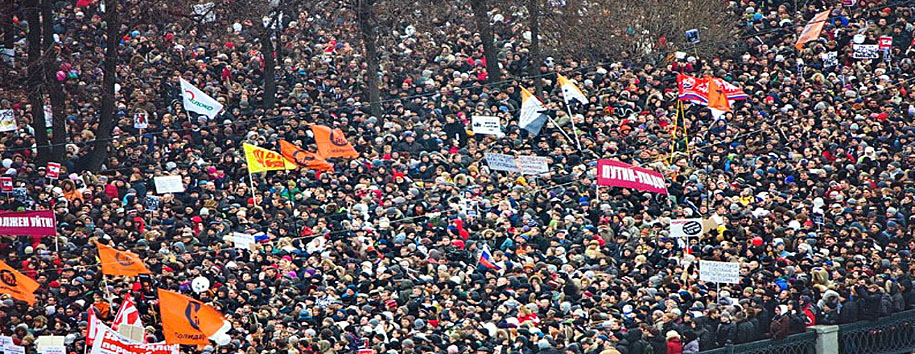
<point>384,251</point>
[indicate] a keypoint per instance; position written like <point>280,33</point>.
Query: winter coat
<point>746,332</point>
<point>674,346</point>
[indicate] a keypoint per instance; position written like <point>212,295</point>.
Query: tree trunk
<point>269,70</point>
<point>533,9</point>
<point>481,17</point>
<point>6,23</point>
<point>36,98</point>
<point>55,91</point>
<point>99,153</point>
<point>366,19</point>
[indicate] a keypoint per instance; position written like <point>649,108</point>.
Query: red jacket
<point>674,346</point>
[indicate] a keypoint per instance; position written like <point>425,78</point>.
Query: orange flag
<point>332,143</point>
<point>812,29</point>
<point>116,262</point>
<point>717,99</point>
<point>188,321</point>
<point>17,284</point>
<point>304,158</point>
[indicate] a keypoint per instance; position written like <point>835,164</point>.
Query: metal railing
<point>889,335</point>
<point>801,343</point>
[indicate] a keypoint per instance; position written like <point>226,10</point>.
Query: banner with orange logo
<point>17,284</point>
<point>260,159</point>
<point>116,262</point>
<point>304,158</point>
<point>189,321</point>
<point>812,29</point>
<point>332,143</point>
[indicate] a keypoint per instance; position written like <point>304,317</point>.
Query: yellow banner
<point>260,159</point>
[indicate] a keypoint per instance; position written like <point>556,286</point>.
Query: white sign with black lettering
<point>686,228</point>
<point>168,184</point>
<point>866,51</point>
<point>719,272</point>
<point>486,125</point>
<point>830,59</point>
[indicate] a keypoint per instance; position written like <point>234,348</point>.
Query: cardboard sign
<point>686,227</point>
<point>719,272</point>
<point>7,120</point>
<point>866,51</point>
<point>6,184</point>
<point>531,165</point>
<point>486,125</point>
<point>168,184</point>
<point>885,42</point>
<point>53,170</point>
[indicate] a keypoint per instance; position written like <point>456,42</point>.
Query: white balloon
<point>7,163</point>
<point>222,339</point>
<point>200,284</point>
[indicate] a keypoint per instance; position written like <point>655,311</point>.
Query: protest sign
<point>6,184</point>
<point>686,227</point>
<point>50,345</point>
<point>32,223</point>
<point>692,36</point>
<point>531,165</point>
<point>243,240</point>
<point>885,42</point>
<point>618,174</point>
<point>719,272</point>
<point>107,341</point>
<point>140,120</point>
<point>151,202</point>
<point>7,120</point>
<point>830,59</point>
<point>866,51</point>
<point>14,349</point>
<point>501,162</point>
<point>168,184</point>
<point>5,341</point>
<point>486,125</point>
<point>53,170</point>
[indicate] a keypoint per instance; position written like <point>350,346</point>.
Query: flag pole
<point>251,184</point>
<point>564,134</point>
<point>572,120</point>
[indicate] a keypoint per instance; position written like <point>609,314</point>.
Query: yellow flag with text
<point>260,159</point>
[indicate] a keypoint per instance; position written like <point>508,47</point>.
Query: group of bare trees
<point>592,29</point>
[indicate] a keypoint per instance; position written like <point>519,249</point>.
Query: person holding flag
<point>189,321</point>
<point>571,92</point>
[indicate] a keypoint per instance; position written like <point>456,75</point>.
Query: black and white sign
<point>866,51</point>
<point>485,125</point>
<point>7,120</point>
<point>719,272</point>
<point>830,59</point>
<point>686,228</point>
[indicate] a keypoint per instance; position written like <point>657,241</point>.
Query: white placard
<point>14,349</point>
<point>5,341</point>
<point>830,59</point>
<point>866,51</point>
<point>532,165</point>
<point>719,272</point>
<point>7,120</point>
<point>168,184</point>
<point>501,162</point>
<point>686,228</point>
<point>141,120</point>
<point>243,240</point>
<point>205,10</point>
<point>48,116</point>
<point>486,125</point>
<point>52,349</point>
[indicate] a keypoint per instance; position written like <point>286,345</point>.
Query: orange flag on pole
<point>332,143</point>
<point>189,321</point>
<point>116,262</point>
<point>16,284</point>
<point>304,158</point>
<point>812,29</point>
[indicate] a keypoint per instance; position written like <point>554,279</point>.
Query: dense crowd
<point>384,251</point>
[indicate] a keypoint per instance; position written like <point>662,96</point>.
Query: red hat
<point>54,284</point>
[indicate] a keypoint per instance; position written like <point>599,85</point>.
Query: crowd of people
<point>807,184</point>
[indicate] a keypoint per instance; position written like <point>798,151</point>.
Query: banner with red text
<point>107,341</point>
<point>618,174</point>
<point>32,223</point>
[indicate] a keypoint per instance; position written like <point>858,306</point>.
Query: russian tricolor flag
<point>486,259</point>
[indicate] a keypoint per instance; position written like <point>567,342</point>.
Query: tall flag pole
<point>571,92</point>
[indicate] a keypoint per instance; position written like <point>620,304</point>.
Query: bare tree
<point>484,26</point>
<point>99,153</point>
<point>34,86</point>
<point>365,17</point>
<point>52,86</point>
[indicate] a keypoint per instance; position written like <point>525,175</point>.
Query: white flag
<point>532,118</point>
<point>570,91</point>
<point>198,101</point>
